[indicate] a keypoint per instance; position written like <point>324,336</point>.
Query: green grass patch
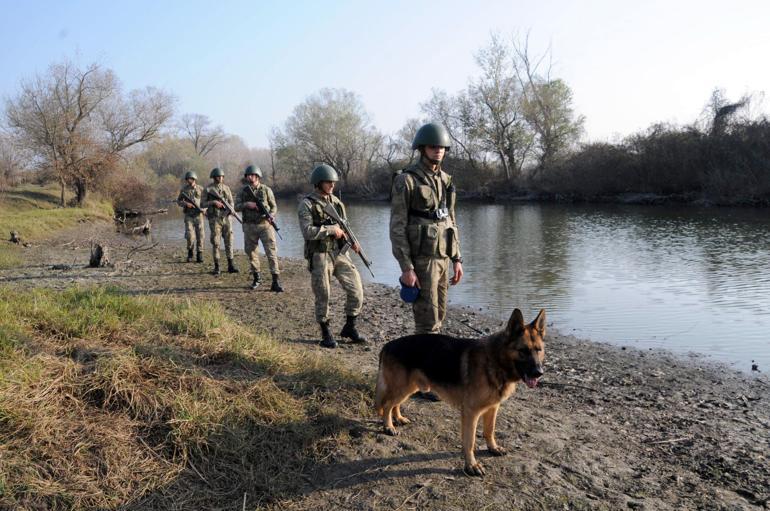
<point>34,212</point>
<point>115,401</point>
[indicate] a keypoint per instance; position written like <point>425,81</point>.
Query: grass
<point>34,212</point>
<point>113,401</point>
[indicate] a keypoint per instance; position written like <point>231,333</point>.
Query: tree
<point>547,105</point>
<point>198,129</point>
<point>11,161</point>
<point>329,127</point>
<point>396,150</point>
<point>497,101</point>
<point>77,122</point>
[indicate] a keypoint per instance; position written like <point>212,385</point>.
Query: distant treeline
<point>514,134</point>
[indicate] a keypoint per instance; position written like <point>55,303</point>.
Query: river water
<point>690,280</point>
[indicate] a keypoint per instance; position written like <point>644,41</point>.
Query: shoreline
<point>609,427</point>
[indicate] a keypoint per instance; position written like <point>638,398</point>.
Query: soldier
<point>423,232</point>
<point>324,250</point>
<point>190,199</point>
<point>219,218</point>
<point>257,203</point>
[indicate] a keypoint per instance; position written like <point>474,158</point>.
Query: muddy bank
<point>609,428</point>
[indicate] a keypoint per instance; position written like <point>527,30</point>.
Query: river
<point>687,279</point>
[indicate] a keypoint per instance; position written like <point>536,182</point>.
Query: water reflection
<point>686,279</point>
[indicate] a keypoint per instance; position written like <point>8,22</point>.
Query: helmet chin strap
<point>437,163</point>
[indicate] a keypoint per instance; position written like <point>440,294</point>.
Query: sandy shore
<point>609,428</point>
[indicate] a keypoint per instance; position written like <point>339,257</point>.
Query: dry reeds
<point>109,401</point>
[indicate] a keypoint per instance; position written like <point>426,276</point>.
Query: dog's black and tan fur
<point>474,375</point>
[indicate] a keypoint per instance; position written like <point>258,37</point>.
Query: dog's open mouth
<point>530,381</point>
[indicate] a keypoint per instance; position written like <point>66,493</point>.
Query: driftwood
<point>141,229</point>
<point>122,214</point>
<point>99,255</point>
<point>15,238</point>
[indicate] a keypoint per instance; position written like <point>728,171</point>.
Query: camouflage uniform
<point>423,242</point>
<point>193,220</point>
<point>256,228</point>
<point>324,258</point>
<point>220,222</point>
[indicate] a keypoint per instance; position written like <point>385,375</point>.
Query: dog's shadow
<point>371,470</point>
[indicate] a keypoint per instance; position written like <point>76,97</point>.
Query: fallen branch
<point>141,248</point>
<point>670,440</point>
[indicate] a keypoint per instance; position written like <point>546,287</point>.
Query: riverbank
<point>610,428</point>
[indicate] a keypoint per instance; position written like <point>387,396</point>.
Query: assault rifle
<point>188,200</point>
<point>263,210</point>
<point>351,238</point>
<point>227,205</point>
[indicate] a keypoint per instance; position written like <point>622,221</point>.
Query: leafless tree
<point>547,103</point>
<point>330,127</point>
<point>396,150</point>
<point>76,121</point>
<point>200,131</point>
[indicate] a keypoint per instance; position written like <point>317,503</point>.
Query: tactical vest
<point>329,243</point>
<point>213,212</point>
<point>430,231</point>
<point>254,216</point>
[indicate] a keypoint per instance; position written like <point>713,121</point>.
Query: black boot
<point>231,266</point>
<point>189,255</point>
<point>350,331</point>
<point>257,280</point>
<point>199,257</point>
<point>216,268</point>
<point>276,287</point>
<point>327,339</point>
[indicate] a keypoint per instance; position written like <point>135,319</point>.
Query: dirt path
<point>610,428</point>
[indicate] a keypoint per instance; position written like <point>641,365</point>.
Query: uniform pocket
<point>429,245</point>
<point>451,244</point>
<point>424,198</point>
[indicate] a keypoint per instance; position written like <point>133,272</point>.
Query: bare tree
<point>330,127</point>
<point>396,150</point>
<point>547,104</point>
<point>11,161</point>
<point>77,122</point>
<point>200,131</point>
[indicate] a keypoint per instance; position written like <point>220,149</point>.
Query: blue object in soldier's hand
<point>409,294</point>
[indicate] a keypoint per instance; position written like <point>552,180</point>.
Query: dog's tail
<point>379,391</point>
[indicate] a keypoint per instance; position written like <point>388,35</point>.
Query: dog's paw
<point>497,451</point>
<point>402,420</point>
<point>390,431</point>
<point>475,470</point>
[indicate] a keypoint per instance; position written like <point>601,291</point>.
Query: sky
<point>247,64</point>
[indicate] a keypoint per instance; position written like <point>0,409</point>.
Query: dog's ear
<point>515,323</point>
<point>539,322</point>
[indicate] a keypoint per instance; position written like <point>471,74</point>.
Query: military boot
<point>231,266</point>
<point>199,257</point>
<point>350,331</point>
<point>276,287</point>
<point>257,280</point>
<point>327,339</point>
<point>189,255</point>
<point>216,267</point>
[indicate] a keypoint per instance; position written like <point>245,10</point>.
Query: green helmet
<point>216,172</point>
<point>252,170</point>
<point>431,134</point>
<point>323,173</point>
<point>190,174</point>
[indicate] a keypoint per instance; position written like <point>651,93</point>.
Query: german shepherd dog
<point>474,375</point>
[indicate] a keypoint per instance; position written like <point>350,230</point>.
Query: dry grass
<point>34,212</point>
<point>111,401</point>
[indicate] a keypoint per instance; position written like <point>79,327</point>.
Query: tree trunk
<point>81,190</point>
<point>61,181</point>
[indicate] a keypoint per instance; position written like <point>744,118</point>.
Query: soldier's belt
<point>436,214</point>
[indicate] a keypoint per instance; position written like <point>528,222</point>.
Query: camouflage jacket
<point>264,195</point>
<point>315,225</point>
<point>422,216</point>
<point>207,201</point>
<point>194,193</point>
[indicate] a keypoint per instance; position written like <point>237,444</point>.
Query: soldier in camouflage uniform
<point>219,218</point>
<point>327,257</point>
<point>256,227</point>
<point>423,232</point>
<point>190,199</point>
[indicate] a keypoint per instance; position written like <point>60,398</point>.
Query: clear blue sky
<point>246,64</point>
